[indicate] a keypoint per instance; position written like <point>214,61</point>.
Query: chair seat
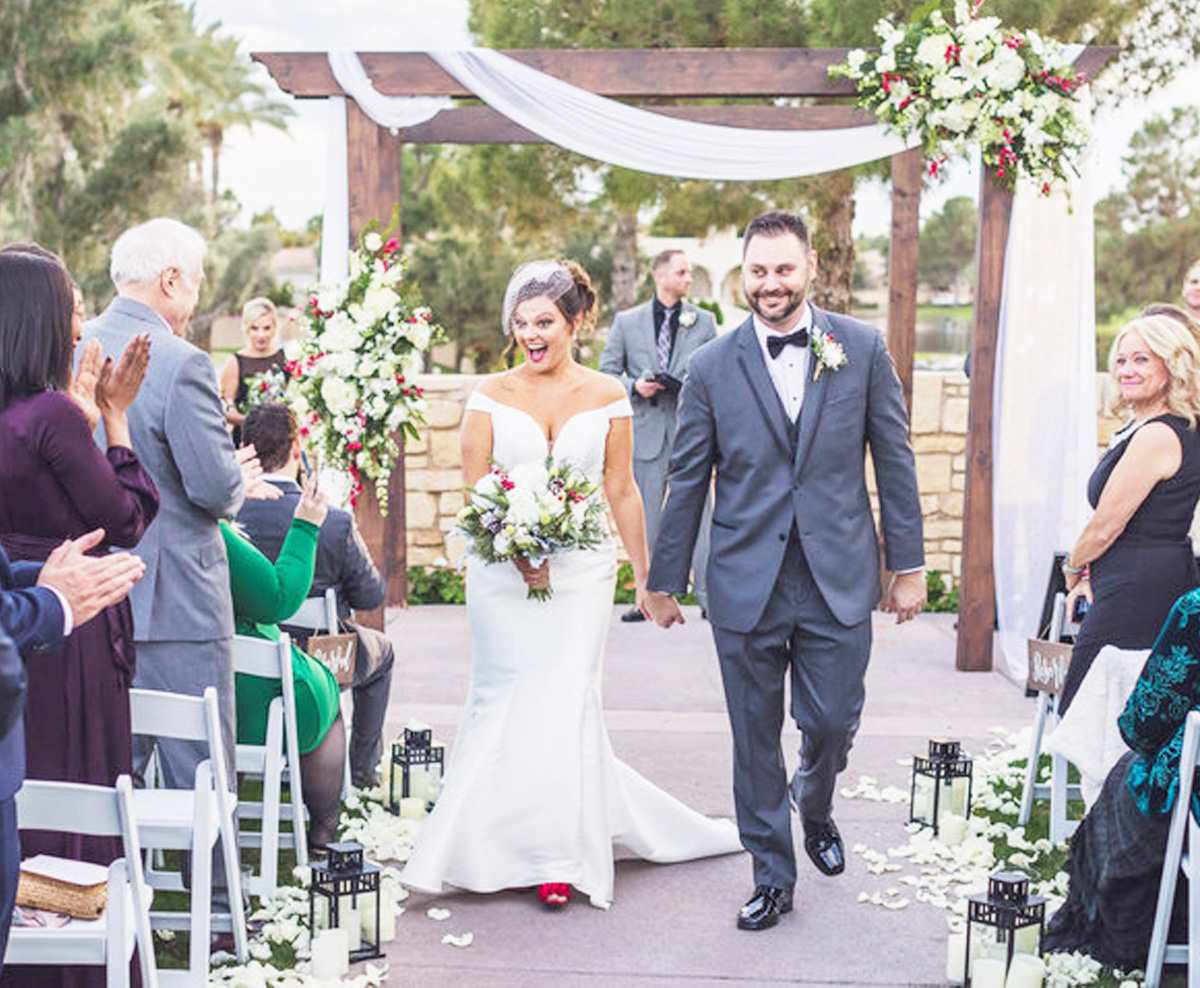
<point>165,817</point>
<point>78,941</point>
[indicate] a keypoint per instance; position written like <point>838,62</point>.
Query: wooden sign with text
<point>337,653</point>
<point>1048,662</point>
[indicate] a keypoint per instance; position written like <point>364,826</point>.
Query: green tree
<point>947,243</point>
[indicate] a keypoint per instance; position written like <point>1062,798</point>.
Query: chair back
<point>97,811</point>
<point>317,613</point>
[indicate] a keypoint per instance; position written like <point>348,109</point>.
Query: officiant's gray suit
<point>793,569</point>
<point>182,612</point>
<point>630,352</point>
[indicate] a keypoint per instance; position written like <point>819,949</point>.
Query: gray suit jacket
<point>731,420</point>
<point>178,432</point>
<point>632,349</point>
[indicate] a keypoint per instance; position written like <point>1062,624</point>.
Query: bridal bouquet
<point>354,371</point>
<point>533,510</point>
<point>975,82</point>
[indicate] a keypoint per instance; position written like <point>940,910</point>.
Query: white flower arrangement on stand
<point>1013,94</point>
<point>355,371</point>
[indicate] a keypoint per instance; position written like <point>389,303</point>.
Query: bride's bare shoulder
<point>604,388</point>
<point>496,386</point>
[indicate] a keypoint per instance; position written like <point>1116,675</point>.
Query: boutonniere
<point>827,352</point>
<point>687,319</point>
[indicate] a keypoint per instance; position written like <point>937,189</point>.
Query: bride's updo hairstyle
<point>1174,341</point>
<point>565,283</point>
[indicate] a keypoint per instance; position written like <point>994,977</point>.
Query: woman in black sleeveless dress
<point>1134,558</point>
<point>261,353</point>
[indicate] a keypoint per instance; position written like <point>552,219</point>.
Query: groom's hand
<point>661,608</point>
<point>907,595</point>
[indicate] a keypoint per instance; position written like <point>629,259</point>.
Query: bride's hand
<point>661,608</point>
<point>537,577</point>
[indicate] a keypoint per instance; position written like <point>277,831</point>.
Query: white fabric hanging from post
<point>594,126</point>
<point>1044,409</point>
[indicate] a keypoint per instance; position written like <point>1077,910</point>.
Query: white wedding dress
<point>533,792</point>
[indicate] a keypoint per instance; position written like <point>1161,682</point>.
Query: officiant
<point>648,348</point>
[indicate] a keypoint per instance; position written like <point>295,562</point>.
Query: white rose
<point>339,397</point>
<point>378,302</point>
<point>954,118</point>
<point>1006,70</point>
<point>529,476</point>
<point>419,333</point>
<point>947,87</point>
<point>885,63</point>
<point>523,508</point>
<point>487,485</point>
<point>500,543</point>
<point>329,299</point>
<point>854,61</point>
<point>340,334</point>
<point>373,241</point>
<point>932,49</point>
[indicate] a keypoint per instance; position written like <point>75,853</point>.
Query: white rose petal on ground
<point>459,940</point>
<point>437,913</point>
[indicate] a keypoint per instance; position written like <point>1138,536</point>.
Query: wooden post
<point>977,607</point>
<point>903,264</point>
<point>373,163</point>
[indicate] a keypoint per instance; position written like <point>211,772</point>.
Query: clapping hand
<point>661,608</point>
<point>90,583</point>
<point>82,388</point>
<point>313,505</point>
<point>119,383</point>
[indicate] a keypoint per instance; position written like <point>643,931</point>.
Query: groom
<point>783,409</point>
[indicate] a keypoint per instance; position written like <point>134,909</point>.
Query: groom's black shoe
<point>764,908</point>
<point>633,614</point>
<point>823,844</point>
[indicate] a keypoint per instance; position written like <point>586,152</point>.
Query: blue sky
<point>265,168</point>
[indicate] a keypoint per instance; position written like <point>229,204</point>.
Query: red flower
<point>953,53</point>
<point>885,83</point>
<point>391,245</point>
<point>1014,41</point>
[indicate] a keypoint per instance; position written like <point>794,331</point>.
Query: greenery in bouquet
<point>1012,93</point>
<point>355,370</point>
<point>534,510</point>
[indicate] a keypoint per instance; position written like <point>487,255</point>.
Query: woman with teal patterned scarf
<point>1117,852</point>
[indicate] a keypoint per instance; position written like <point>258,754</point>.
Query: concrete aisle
<point>674,925</point>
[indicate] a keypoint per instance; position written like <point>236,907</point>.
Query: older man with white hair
<point>182,612</point>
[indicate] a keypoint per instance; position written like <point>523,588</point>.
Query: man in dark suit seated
<point>40,604</point>
<point>342,563</point>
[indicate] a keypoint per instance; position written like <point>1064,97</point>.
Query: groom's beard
<point>794,301</point>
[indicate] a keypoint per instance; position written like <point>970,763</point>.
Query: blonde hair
<point>256,307</point>
<point>1174,342</point>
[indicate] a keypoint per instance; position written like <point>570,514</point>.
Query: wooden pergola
<point>651,75</point>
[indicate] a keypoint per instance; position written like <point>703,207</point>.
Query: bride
<point>534,795</point>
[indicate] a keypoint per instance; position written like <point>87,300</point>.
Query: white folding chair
<point>1180,856</point>
<point>320,614</point>
<point>1058,789</point>
<point>278,756</point>
<point>191,820</point>
<point>69,807</point>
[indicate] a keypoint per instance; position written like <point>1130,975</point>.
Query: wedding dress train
<point>533,792</point>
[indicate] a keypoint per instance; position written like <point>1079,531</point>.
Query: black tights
<point>321,774</point>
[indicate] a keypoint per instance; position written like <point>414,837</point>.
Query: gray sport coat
<point>178,431</point>
<point>731,421</point>
<point>632,349</point>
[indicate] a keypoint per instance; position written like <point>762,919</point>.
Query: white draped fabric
<point>597,127</point>
<point>1044,411</point>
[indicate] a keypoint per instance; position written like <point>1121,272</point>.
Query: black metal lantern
<point>344,894</point>
<point>1005,923</point>
<point>417,765</point>
<point>941,784</point>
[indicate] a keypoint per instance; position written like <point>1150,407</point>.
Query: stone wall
<point>939,435</point>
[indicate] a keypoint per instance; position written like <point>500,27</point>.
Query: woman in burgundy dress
<point>57,484</point>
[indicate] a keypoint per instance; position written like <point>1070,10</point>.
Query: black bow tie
<point>776,343</point>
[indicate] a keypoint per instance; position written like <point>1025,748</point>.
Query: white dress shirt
<point>789,371</point>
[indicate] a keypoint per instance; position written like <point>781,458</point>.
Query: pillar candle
<point>330,955</point>
<point>412,808</point>
<point>350,922</point>
<point>958,795</point>
<point>922,799</point>
<point>366,912</point>
<point>1026,940</point>
<point>953,829</point>
<point>387,920</point>
<point>1026,971</point>
<point>988,973</point>
<point>956,958</point>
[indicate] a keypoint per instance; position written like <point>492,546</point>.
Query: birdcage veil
<point>535,279</point>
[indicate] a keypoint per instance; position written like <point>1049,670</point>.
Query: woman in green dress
<point>265,593</point>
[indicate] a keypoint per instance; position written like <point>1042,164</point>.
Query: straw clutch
<point>75,888</point>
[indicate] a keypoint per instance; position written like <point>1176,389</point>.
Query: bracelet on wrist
<point>1069,570</point>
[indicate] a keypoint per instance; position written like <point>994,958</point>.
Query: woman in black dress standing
<point>1134,557</point>
<point>261,354</point>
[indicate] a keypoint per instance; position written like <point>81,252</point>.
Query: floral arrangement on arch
<point>355,370</point>
<point>269,387</point>
<point>1012,93</point>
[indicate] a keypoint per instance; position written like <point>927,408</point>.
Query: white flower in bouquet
<point>373,241</point>
<point>340,334</point>
<point>885,63</point>
<point>418,332</point>
<point>932,50</point>
<point>378,303</point>
<point>1006,70</point>
<point>328,299</point>
<point>529,476</point>
<point>340,396</point>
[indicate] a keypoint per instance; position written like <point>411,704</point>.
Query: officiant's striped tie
<point>664,341</point>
